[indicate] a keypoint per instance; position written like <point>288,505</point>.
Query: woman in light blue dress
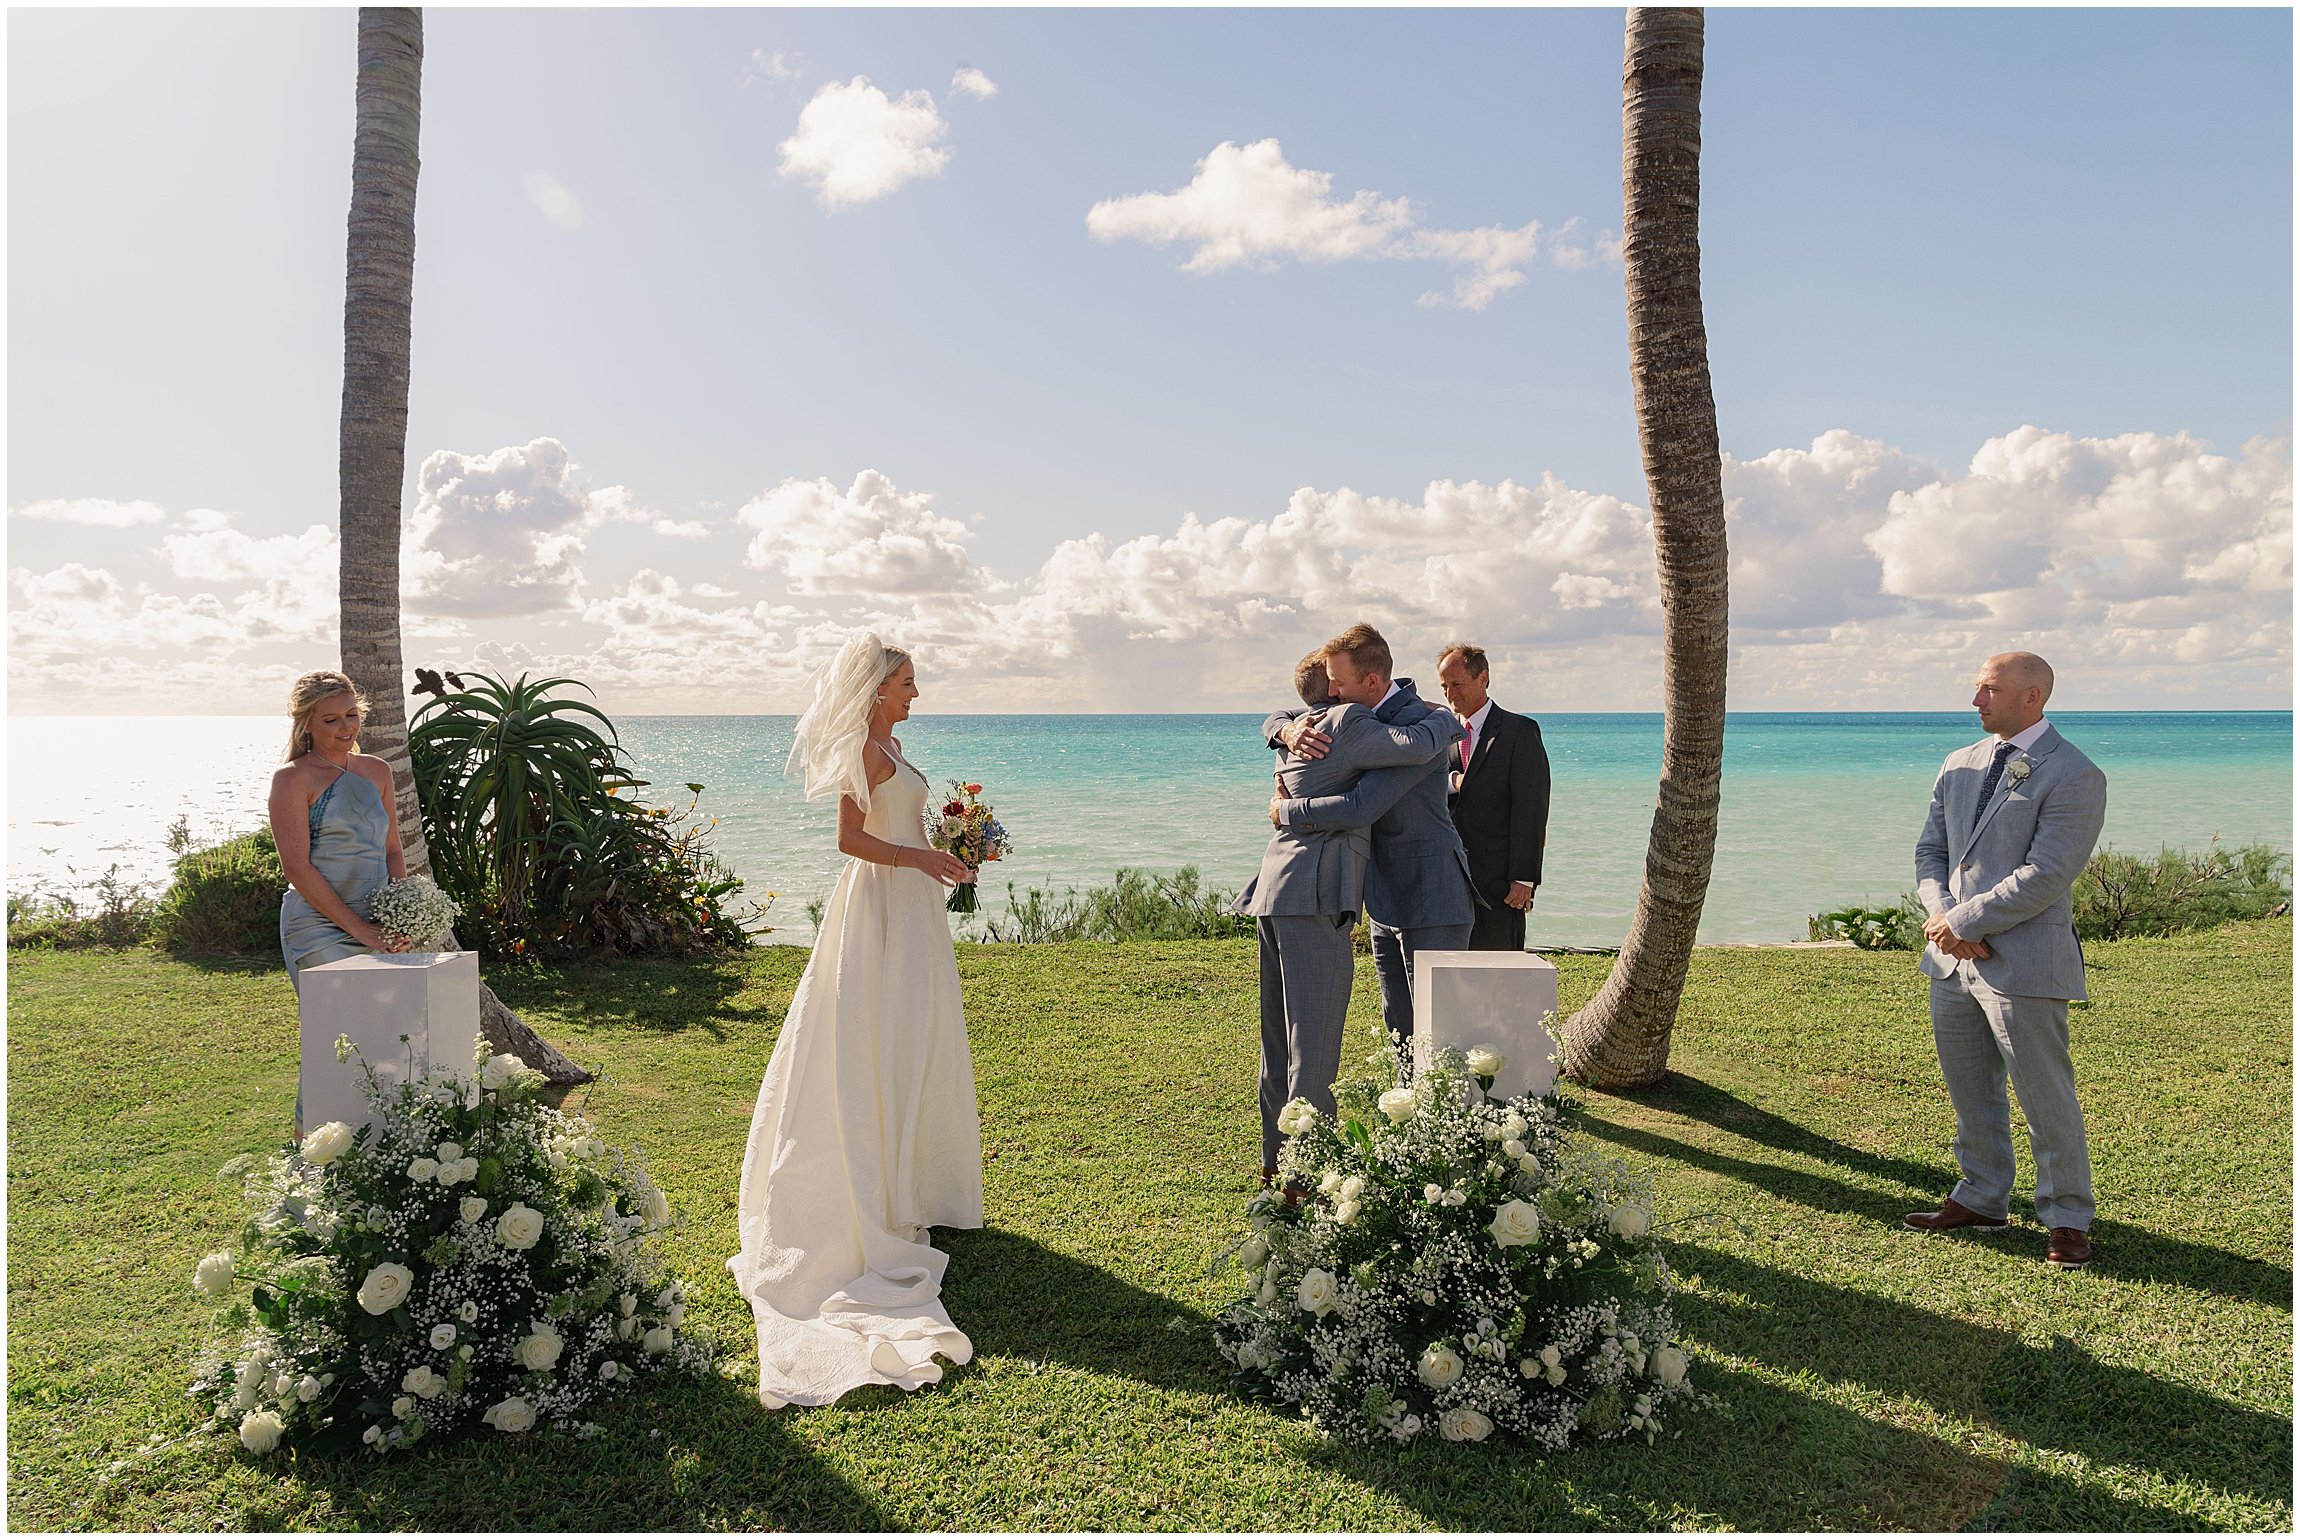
<point>332,818</point>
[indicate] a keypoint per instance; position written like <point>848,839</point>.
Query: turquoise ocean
<point>1820,809</point>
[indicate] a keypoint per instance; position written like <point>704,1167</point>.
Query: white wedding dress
<point>865,1133</point>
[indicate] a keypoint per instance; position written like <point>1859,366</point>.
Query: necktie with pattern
<point>1989,785</point>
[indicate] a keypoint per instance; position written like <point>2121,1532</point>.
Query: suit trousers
<point>1982,1036</point>
<point>1394,950</point>
<point>1306,968</point>
<point>1499,929</point>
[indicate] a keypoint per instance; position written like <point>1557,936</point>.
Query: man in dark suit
<point>1500,800</point>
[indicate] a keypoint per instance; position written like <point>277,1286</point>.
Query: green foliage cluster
<point>225,898</point>
<point>109,912</point>
<point>1136,906</point>
<point>2117,895</point>
<point>536,829</point>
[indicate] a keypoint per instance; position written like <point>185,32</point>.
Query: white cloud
<point>773,64</point>
<point>94,512</point>
<point>868,539</point>
<point>1246,206</point>
<point>499,533</point>
<point>855,145</point>
<point>553,201</point>
<point>970,81</point>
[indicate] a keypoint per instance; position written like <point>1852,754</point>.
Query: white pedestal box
<point>1495,1000</point>
<point>430,998</point>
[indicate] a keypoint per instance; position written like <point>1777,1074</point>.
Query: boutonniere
<point>2019,770</point>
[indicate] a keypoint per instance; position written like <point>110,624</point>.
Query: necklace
<point>316,754</point>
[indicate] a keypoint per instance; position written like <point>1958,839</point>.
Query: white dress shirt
<point>2026,738</point>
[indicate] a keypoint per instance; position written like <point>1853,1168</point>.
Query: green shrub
<point>1137,906</point>
<point>108,912</point>
<point>536,829</point>
<point>225,898</point>
<point>2179,890</point>
<point>1900,928</point>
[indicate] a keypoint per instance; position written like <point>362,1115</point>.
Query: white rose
<point>658,1340</point>
<point>442,1337</point>
<point>1397,1105</point>
<point>512,1415</point>
<point>1440,1366</point>
<point>519,1228</point>
<point>539,1349</point>
<point>450,1153</point>
<point>1669,1366</point>
<point>1551,1358</point>
<point>1555,1374</point>
<point>1353,1187</point>
<point>402,1405</point>
<point>1530,1368</point>
<point>1268,1295</point>
<point>326,1142</point>
<point>657,1210</point>
<point>628,1303</point>
<point>1254,1253</point>
<point>260,1431</point>
<point>1513,1148</point>
<point>1345,1211</point>
<point>1330,1183</point>
<point>1516,1223</point>
<point>373,1435</point>
<point>610,1369</point>
<point>307,1389</point>
<point>423,1168</point>
<point>248,1381</point>
<point>470,1165</point>
<point>1295,1116</point>
<point>624,1328</point>
<point>1483,1061</point>
<point>675,1314</point>
<point>213,1277</point>
<point>1464,1426</point>
<point>467,1312</point>
<point>473,1209</point>
<point>1317,1294</point>
<point>1513,1126</point>
<point>385,1287</point>
<point>1433,1193</point>
<point>495,1074</point>
<point>1630,1221</point>
<point>422,1380</point>
<point>667,1296</point>
<point>283,1385</point>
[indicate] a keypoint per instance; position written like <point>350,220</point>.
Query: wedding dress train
<point>865,1134</point>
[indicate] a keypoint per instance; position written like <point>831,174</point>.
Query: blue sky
<point>1924,231</point>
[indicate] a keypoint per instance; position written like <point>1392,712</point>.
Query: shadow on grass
<point>719,1462</point>
<point>669,996</point>
<point>240,964</point>
<point>1719,1108</point>
<point>2054,1397</point>
<point>2124,1251</point>
<point>1017,1299</point>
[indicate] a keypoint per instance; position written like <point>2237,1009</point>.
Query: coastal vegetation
<point>1863,1377</point>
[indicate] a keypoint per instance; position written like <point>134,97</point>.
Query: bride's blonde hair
<point>827,749</point>
<point>304,698</point>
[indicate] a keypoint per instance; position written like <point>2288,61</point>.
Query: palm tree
<point>378,316</point>
<point>1621,1037</point>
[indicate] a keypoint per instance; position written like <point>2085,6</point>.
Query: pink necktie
<point>1468,745</point>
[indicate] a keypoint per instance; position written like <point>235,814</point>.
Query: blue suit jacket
<point>1420,873</point>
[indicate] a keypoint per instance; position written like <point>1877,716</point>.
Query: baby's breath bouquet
<point>1456,1266</point>
<point>414,910</point>
<point>468,1255</point>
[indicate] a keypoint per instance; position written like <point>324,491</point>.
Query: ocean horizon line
<point>926,716</point>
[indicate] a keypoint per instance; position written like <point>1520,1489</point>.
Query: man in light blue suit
<point>1418,890</point>
<point>1305,898</point>
<point>2013,822</point>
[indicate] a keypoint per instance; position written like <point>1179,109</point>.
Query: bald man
<point>2013,822</point>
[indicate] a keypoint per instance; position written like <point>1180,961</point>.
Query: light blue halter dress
<point>350,831</point>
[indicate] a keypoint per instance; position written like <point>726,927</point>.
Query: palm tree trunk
<point>378,329</point>
<point>1621,1038</point>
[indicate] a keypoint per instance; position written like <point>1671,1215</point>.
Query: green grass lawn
<point>1865,1377</point>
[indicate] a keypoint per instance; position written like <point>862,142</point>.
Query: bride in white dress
<point>865,1131</point>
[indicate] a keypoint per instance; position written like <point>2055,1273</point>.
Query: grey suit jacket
<point>1324,871</point>
<point>1419,874</point>
<point>2007,881</point>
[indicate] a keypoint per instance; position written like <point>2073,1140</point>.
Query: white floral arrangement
<point>414,910</point>
<point>1456,1265</point>
<point>469,1255</point>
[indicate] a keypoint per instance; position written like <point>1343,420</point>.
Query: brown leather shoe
<point>1952,1215</point>
<point>2068,1248</point>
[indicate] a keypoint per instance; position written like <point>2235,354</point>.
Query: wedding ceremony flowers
<point>466,1257</point>
<point>1456,1266</point>
<point>967,829</point>
<point>414,910</point>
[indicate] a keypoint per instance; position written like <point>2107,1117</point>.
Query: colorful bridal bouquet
<point>1456,1266</point>
<point>414,910</point>
<point>467,1256</point>
<point>968,830</point>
